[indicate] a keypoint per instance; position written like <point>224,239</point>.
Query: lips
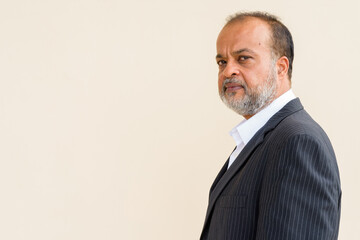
<point>232,87</point>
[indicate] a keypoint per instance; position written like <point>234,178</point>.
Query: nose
<point>232,69</point>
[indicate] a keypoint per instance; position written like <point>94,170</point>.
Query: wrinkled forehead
<point>251,32</point>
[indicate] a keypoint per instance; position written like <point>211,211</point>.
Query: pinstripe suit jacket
<point>284,185</point>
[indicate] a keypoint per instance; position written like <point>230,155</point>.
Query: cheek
<point>220,82</point>
<point>221,78</point>
<point>251,80</point>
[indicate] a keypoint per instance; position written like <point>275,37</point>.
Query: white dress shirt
<point>245,130</point>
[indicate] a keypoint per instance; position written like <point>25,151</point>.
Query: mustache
<point>234,80</point>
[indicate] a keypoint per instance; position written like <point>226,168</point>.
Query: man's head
<point>254,54</point>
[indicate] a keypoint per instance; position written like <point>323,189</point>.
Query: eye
<point>221,62</point>
<point>244,58</point>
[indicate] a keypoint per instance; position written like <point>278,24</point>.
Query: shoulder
<point>299,125</point>
<point>298,138</point>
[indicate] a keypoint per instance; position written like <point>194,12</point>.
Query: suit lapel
<point>224,177</point>
<point>219,176</point>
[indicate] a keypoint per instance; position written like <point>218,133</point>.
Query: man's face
<point>247,69</point>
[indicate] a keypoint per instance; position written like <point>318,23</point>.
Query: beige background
<point>110,123</point>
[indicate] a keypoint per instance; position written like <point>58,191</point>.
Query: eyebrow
<point>237,52</point>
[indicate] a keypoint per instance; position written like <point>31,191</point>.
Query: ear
<point>282,66</point>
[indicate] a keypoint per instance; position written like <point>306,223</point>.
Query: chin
<point>235,98</point>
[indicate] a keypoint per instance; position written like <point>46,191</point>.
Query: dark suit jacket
<point>284,185</point>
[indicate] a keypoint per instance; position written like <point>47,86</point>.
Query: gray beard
<point>254,99</point>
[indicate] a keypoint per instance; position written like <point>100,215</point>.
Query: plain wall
<point>110,122</point>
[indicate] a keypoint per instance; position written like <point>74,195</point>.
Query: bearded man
<point>282,180</point>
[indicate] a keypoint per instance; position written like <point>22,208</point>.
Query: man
<point>281,181</point>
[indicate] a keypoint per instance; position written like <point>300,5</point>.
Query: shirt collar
<point>245,130</point>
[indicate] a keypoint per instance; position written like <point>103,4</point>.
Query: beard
<point>254,99</point>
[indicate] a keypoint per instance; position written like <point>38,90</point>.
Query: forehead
<point>250,33</point>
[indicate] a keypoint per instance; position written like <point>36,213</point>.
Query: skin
<point>244,52</point>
